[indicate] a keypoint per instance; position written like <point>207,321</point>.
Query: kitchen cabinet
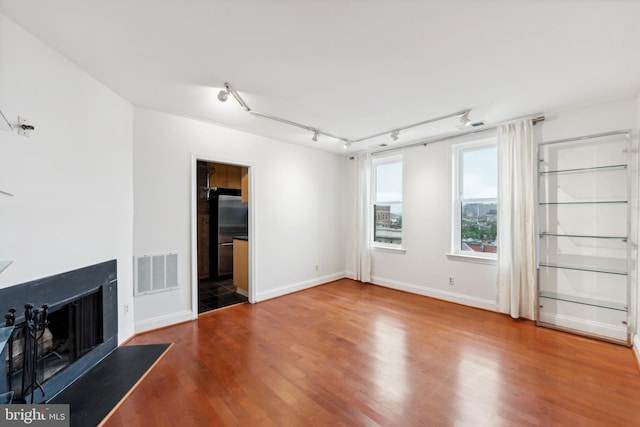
<point>241,265</point>
<point>244,188</point>
<point>225,176</point>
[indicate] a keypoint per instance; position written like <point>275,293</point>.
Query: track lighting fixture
<point>223,95</point>
<point>464,119</point>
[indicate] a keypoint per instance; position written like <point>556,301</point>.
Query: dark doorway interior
<point>222,217</point>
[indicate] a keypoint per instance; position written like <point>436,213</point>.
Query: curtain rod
<point>485,128</point>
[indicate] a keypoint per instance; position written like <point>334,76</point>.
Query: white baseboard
<point>436,293</point>
<point>636,348</point>
<point>162,321</point>
<point>242,292</point>
<point>124,335</point>
<point>295,287</point>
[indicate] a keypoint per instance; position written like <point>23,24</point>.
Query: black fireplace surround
<point>59,290</point>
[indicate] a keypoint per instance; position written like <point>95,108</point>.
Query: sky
<point>389,182</point>
<point>480,178</point>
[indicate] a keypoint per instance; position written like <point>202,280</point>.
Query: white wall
<point>425,267</point>
<point>636,231</point>
<point>296,197</point>
<point>72,179</point>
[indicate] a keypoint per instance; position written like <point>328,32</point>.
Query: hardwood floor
<point>351,354</point>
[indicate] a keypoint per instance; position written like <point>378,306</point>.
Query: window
<point>387,201</point>
<point>475,199</point>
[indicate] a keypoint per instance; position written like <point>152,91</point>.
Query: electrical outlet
<point>126,308</point>
<point>317,267</point>
<point>451,280</point>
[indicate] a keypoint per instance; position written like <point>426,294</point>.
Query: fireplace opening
<point>64,335</point>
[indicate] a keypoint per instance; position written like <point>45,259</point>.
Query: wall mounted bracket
<point>24,127</point>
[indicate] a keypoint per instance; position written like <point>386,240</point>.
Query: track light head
<point>223,95</point>
<point>394,134</point>
<point>314,138</point>
<point>465,120</point>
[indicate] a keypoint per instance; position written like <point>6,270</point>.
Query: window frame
<point>379,160</point>
<point>458,151</point>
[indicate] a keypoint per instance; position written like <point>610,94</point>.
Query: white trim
<point>472,258</point>
<point>636,348</point>
<point>194,236</point>
<point>295,287</point>
<point>436,293</point>
<point>457,149</point>
<point>242,292</point>
<point>376,161</point>
<point>162,321</point>
<point>389,249</point>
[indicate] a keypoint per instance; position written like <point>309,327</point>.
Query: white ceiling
<point>348,67</point>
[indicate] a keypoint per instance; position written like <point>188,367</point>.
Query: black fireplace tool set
<point>27,335</point>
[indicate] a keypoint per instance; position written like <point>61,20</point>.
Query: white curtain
<point>516,220</point>
<point>362,218</point>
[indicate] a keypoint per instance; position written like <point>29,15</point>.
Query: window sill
<point>472,258</point>
<point>388,249</point>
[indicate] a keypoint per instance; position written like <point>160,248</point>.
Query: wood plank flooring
<point>350,354</point>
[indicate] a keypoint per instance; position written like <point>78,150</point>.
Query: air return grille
<point>156,273</point>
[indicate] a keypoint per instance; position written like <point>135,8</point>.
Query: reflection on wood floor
<point>347,353</point>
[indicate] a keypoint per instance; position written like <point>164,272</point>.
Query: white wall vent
<point>155,273</point>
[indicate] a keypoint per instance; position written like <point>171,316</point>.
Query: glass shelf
<point>584,301</point>
<point>584,268</point>
<point>586,202</point>
<point>589,169</point>
<point>582,236</point>
<point>584,251</point>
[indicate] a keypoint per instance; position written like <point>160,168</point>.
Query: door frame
<point>194,224</point>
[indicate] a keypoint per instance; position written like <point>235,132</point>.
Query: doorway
<point>222,235</point>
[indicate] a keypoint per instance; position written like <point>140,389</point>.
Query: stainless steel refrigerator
<point>228,219</point>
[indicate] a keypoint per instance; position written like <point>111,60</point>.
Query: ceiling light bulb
<point>347,144</point>
<point>315,136</point>
<point>394,135</point>
<point>223,95</point>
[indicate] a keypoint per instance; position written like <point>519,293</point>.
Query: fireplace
<point>74,316</point>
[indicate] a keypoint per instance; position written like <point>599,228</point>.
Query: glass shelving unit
<point>584,249</point>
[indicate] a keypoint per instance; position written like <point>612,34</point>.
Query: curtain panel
<point>362,218</point>
<point>516,220</point>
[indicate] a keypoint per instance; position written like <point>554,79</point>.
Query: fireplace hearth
<point>63,325</point>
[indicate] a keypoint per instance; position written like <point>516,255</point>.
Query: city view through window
<point>478,201</point>
<point>387,207</point>
<point>479,227</point>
